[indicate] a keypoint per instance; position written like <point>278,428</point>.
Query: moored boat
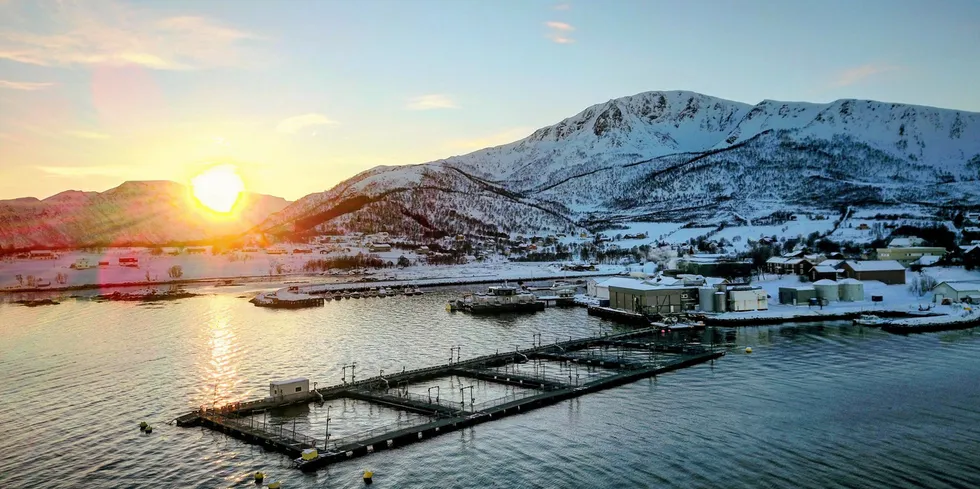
<point>498,299</point>
<point>869,320</point>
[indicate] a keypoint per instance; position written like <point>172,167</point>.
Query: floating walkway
<point>446,415</point>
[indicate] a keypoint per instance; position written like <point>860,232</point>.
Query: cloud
<point>496,139</point>
<point>562,6</point>
<point>115,34</point>
<point>559,31</point>
<point>294,124</point>
<point>430,102</point>
<point>87,134</point>
<point>858,74</point>
<point>87,171</point>
<point>29,86</point>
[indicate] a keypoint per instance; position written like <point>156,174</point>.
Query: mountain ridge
<point>634,153</point>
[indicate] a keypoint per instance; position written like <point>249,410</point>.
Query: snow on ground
<point>256,265</point>
<point>802,226</point>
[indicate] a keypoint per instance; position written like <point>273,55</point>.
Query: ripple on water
<point>816,405</point>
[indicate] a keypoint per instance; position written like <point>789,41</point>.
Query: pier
<point>607,361</point>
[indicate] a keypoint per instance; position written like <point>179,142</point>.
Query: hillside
<point>677,156</point>
<point>155,212</point>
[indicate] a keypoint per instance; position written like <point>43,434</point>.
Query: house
<point>636,296</point>
<point>422,250</point>
<point>81,264</point>
<point>908,254</point>
<point>957,292</point>
<point>289,389</point>
<point>302,251</point>
<point>41,255</point>
<point>863,227</point>
<point>823,272</point>
<point>275,251</point>
<point>379,247</point>
<point>196,250</point>
<point>798,266</point>
<point>889,272</point>
<point>129,261</point>
<point>776,265</point>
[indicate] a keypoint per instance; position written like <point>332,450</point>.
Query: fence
<point>268,430</point>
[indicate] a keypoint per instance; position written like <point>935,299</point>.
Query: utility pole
<point>462,400</point>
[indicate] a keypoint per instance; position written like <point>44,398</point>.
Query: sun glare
<point>218,188</point>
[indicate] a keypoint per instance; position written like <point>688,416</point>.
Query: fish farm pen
<point>539,376</point>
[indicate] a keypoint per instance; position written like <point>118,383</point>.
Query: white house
<point>905,242</point>
<point>957,292</point>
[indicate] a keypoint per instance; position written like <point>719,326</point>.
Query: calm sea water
<point>820,405</point>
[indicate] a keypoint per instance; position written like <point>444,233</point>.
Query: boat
<point>372,292</point>
<point>555,286</point>
<point>382,292</point>
<point>355,295</point>
<point>42,283</point>
<point>497,299</point>
<point>416,291</point>
<point>869,320</point>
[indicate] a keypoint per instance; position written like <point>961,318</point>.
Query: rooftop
<point>875,265</point>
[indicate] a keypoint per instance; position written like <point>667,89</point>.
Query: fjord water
<point>816,405</point>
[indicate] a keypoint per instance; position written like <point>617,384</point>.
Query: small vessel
<point>372,292</point>
<point>382,292</point>
<point>497,299</point>
<point>42,283</point>
<point>869,320</point>
<point>416,291</point>
<point>355,295</point>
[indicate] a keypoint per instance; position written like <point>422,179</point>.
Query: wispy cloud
<point>87,171</point>
<point>29,86</point>
<point>87,134</point>
<point>109,33</point>
<point>431,101</point>
<point>296,123</point>
<point>496,139</point>
<point>858,74</point>
<point>559,32</point>
<point>562,6</point>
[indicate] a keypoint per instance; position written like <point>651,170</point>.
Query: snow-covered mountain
<point>134,213</point>
<point>679,156</point>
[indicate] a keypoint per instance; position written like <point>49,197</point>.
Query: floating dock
<point>607,353</point>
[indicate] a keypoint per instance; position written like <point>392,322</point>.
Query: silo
<point>827,289</point>
<point>720,301</point>
<point>851,290</point>
<point>706,298</point>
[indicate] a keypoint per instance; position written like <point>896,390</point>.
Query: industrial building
<point>747,298</point>
<point>906,255</point>
<point>714,265</point>
<point>651,299</point>
<point>889,272</point>
<point>794,296</point>
<point>957,292</point>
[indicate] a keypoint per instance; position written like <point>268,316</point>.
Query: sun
<point>218,188</point>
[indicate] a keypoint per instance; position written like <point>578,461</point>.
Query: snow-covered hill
<point>676,156</point>
<point>154,212</point>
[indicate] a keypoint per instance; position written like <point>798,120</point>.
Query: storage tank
<point>827,289</point>
<point>851,290</point>
<point>720,301</point>
<point>706,299</point>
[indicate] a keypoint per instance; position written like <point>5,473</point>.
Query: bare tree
<point>175,271</point>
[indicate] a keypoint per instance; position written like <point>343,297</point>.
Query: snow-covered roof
<point>904,242</point>
<point>961,286</point>
<point>825,282</point>
<point>849,281</point>
<point>875,265</point>
<point>831,263</point>
<point>969,248</point>
<point>825,269</point>
<point>799,287</point>
<point>927,260</point>
<point>627,283</point>
<point>715,281</point>
<point>290,381</point>
<point>776,259</point>
<point>795,261</point>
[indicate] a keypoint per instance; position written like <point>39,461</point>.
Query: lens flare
<point>218,188</point>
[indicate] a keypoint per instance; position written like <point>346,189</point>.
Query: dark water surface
<point>820,405</point>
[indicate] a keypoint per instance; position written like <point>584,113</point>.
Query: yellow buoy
<point>259,476</point>
<point>449,308</point>
<point>275,485</point>
<point>368,476</point>
<point>143,425</point>
<point>748,349</point>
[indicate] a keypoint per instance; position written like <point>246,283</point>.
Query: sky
<point>301,95</point>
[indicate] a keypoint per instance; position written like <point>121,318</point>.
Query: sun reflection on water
<point>220,383</point>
